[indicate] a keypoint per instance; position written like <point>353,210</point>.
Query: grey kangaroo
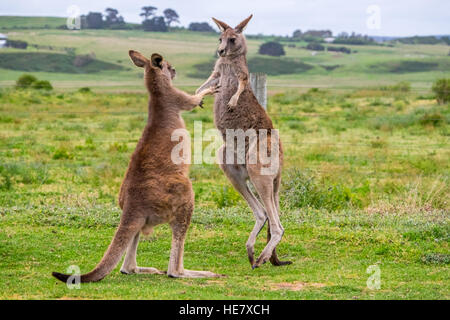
<point>155,190</point>
<point>236,107</point>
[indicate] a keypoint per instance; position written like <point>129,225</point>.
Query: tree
<point>94,20</point>
<point>25,81</point>
<point>201,27</point>
<point>339,49</point>
<point>42,85</point>
<point>315,46</point>
<point>297,34</point>
<point>156,24</point>
<point>113,19</point>
<point>171,16</point>
<point>442,90</point>
<point>272,49</point>
<point>18,44</point>
<point>148,12</point>
<point>111,15</point>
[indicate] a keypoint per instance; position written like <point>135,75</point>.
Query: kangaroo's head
<point>232,40</point>
<point>156,68</point>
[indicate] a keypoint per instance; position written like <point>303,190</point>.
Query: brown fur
<point>155,190</point>
<point>236,107</point>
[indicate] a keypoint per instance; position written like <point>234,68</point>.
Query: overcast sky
<point>281,17</point>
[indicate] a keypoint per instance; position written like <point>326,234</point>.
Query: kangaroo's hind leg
<point>238,175</point>
<point>263,176</point>
<point>129,265</point>
<point>179,228</point>
<point>276,188</point>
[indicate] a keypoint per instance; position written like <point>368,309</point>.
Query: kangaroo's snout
<point>221,52</point>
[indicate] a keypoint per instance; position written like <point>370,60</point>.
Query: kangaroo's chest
<point>228,78</point>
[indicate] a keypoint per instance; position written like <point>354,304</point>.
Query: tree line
<point>151,21</point>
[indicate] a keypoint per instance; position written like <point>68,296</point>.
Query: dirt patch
<point>296,285</point>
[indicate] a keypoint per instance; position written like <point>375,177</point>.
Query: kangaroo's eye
<point>232,40</point>
<point>220,40</point>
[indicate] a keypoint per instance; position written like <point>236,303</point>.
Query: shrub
<point>84,90</point>
<point>157,24</point>
<point>302,190</point>
<point>118,147</point>
<point>315,46</point>
<point>62,153</point>
<point>441,89</point>
<point>25,81</point>
<point>42,85</point>
<point>436,258</point>
<point>434,119</point>
<point>339,49</point>
<point>84,59</point>
<point>18,44</point>
<point>272,49</point>
<point>200,27</point>
<point>403,86</point>
<point>226,197</point>
<point>29,81</point>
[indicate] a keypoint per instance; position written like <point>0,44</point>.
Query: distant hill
<point>388,38</point>
<point>16,22</point>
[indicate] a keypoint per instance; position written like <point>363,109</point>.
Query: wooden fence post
<point>258,81</point>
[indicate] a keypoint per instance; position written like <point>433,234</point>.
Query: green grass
<point>370,66</point>
<point>20,22</point>
<point>51,62</point>
<point>365,179</point>
<point>270,66</point>
<point>363,185</point>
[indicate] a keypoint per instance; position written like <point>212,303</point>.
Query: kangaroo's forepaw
<point>216,89</point>
<point>233,102</point>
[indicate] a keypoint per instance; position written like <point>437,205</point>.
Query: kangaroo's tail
<point>123,236</point>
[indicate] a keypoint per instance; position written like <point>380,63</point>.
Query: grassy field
<point>365,183</point>
<point>365,180</point>
<point>19,22</point>
<point>192,53</point>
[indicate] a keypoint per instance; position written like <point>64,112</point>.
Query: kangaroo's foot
<point>194,274</point>
<point>141,270</point>
<point>277,262</point>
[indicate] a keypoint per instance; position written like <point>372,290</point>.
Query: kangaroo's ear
<point>241,26</point>
<point>221,25</point>
<point>157,60</point>
<point>138,59</point>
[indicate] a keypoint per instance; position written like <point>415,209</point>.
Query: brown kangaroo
<point>236,108</point>
<point>155,189</point>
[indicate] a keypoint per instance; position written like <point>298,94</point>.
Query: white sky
<point>281,17</point>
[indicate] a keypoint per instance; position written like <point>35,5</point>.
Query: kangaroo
<point>236,107</point>
<point>155,190</point>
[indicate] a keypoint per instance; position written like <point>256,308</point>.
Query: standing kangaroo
<point>236,107</point>
<point>155,190</point>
